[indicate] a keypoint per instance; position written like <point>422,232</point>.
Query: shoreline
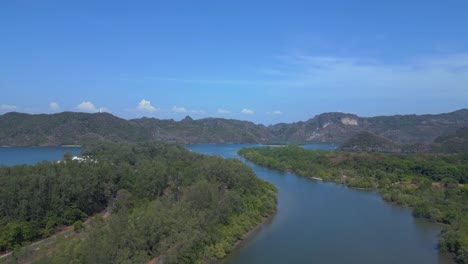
<point>235,247</point>
<point>240,243</point>
<point>450,255</point>
<point>247,236</point>
<point>377,190</point>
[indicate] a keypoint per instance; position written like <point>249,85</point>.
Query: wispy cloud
<point>179,109</point>
<point>356,76</point>
<point>198,112</point>
<point>7,107</point>
<point>277,112</point>
<point>344,79</point>
<point>223,111</point>
<point>228,82</point>
<point>54,106</point>
<point>433,76</point>
<point>145,105</point>
<point>247,111</point>
<point>271,72</point>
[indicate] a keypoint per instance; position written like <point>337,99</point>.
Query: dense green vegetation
<point>36,200</point>
<point>367,141</point>
<point>455,142</point>
<point>165,201</point>
<point>435,185</point>
<point>69,128</point>
<point>452,143</point>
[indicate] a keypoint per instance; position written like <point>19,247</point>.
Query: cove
<point>319,222</point>
<point>10,156</point>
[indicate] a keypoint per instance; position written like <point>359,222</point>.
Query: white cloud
<point>145,105</point>
<point>223,111</point>
<point>54,106</point>
<point>179,109</point>
<point>277,112</point>
<point>442,76</point>
<point>247,111</point>
<point>87,106</point>
<point>7,107</point>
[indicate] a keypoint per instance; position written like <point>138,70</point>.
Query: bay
<point>30,155</point>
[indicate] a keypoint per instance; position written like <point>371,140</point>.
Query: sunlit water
<point>320,222</point>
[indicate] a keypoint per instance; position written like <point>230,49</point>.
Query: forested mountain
<point>454,142</point>
<point>369,142</point>
<point>164,201</point>
<point>401,129</point>
<point>69,128</point>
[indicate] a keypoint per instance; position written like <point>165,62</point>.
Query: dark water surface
<point>321,222</point>
<point>30,155</point>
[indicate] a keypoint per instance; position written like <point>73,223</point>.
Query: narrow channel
<point>320,222</point>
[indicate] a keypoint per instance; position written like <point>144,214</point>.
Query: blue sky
<point>263,61</point>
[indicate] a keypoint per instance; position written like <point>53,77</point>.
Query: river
<point>316,222</point>
<point>319,222</point>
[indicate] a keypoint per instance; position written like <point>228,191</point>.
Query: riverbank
<point>236,246</point>
<point>308,225</point>
<point>405,180</point>
<point>246,238</point>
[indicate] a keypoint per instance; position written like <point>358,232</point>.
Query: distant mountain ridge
<point>71,128</point>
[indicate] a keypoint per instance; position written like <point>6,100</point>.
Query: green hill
<point>369,142</point>
<point>70,128</point>
<point>452,143</point>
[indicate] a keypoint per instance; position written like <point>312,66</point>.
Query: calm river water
<point>320,222</point>
<point>316,222</point>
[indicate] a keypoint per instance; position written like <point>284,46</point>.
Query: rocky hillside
<point>69,128</point>
<point>401,129</point>
<point>328,127</point>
